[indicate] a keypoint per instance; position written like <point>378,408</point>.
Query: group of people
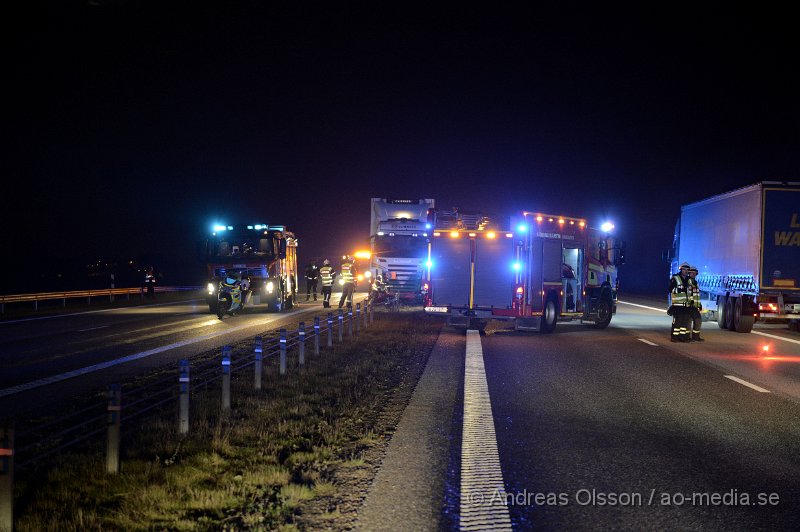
<point>685,305</point>
<point>327,275</point>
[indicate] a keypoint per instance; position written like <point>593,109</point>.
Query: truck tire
<point>742,322</point>
<point>730,309</point>
<point>549,317</point>
<point>721,302</point>
<point>605,310</point>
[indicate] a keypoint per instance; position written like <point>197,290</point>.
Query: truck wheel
<point>604,313</point>
<point>742,323</point>
<point>549,317</point>
<point>721,303</point>
<point>730,308</point>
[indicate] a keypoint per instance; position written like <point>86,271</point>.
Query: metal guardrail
<point>88,294</point>
<point>36,446</point>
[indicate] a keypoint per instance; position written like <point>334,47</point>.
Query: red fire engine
<point>537,270</point>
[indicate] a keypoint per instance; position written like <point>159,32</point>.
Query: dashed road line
<point>482,489</point>
<point>648,342</point>
<point>93,328</point>
<point>745,383</point>
<point>776,337</point>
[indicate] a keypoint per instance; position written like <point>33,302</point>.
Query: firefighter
<point>348,281</point>
<point>327,275</point>
<point>150,283</point>
<point>312,275</point>
<point>679,304</point>
<point>695,320</point>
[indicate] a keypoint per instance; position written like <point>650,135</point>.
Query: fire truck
<point>267,254</point>
<point>536,270</point>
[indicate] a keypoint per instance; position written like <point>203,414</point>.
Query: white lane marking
<point>642,306</point>
<point>98,311</point>
<point>753,386</point>
<point>648,342</point>
<point>776,337</point>
<point>483,501</point>
<point>93,328</point>
<point>136,356</point>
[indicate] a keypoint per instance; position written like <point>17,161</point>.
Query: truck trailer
<point>746,247</point>
<point>399,230</point>
<point>535,270</point>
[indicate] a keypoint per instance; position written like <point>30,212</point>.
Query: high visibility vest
<point>680,297</point>
<point>347,273</point>
<point>695,292</point>
<point>326,272</point>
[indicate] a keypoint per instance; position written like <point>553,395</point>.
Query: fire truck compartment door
<point>494,272</point>
<point>551,261</point>
<point>450,271</point>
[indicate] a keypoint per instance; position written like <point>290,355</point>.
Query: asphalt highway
<point>52,359</point>
<point>622,429</point>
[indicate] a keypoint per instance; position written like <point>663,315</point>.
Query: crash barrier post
<point>259,351</point>
<point>301,347</point>
<point>226,378</point>
<point>341,324</point>
<point>183,395</point>
<point>316,335</point>
<point>358,316</point>
<point>330,329</point>
<point>350,323</point>
<point>113,429</point>
<point>283,351</point>
<point>6,477</point>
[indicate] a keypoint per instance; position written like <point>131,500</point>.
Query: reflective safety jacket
<point>348,272</point>
<point>694,293</point>
<point>679,289</point>
<point>327,274</point>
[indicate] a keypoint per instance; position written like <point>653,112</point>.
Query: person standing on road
<point>679,303</point>
<point>312,275</point>
<point>348,271</point>
<point>150,283</point>
<point>695,318</point>
<point>327,275</point>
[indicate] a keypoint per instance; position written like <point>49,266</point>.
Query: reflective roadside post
<point>6,477</point>
<point>183,398</point>
<point>316,335</point>
<point>358,316</point>
<point>283,351</point>
<point>113,428</point>
<point>330,329</point>
<point>226,378</point>
<point>350,322</point>
<point>259,352</point>
<point>301,348</point>
<point>341,324</point>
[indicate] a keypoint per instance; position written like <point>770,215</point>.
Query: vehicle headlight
<point>368,274</point>
<point>270,287</point>
<point>341,282</point>
<point>211,288</point>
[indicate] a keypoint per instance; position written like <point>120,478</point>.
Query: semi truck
<point>399,229</point>
<point>536,270</point>
<point>746,246</point>
<point>267,254</point>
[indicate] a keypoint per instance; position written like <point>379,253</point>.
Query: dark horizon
<point>135,126</point>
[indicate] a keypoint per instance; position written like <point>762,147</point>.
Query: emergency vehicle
<point>536,270</point>
<point>267,254</point>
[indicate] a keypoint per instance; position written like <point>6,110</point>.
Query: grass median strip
<point>288,456</point>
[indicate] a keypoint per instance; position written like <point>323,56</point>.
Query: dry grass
<point>252,469</point>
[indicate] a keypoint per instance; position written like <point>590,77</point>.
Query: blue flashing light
<point>429,264</point>
<point>230,228</point>
<point>219,228</point>
<point>607,227</point>
<point>249,226</point>
<point>522,228</point>
<point>259,227</point>
<point>516,266</point>
<point>427,226</point>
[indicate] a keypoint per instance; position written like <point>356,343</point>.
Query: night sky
<point>135,125</point>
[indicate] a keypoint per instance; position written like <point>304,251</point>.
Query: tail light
<point>768,307</point>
